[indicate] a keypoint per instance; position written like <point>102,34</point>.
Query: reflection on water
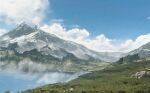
<point>19,81</point>
<point>27,74</point>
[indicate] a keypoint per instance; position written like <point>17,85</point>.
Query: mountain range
<point>131,74</point>
<point>28,49</point>
<point>26,46</point>
<point>29,45</point>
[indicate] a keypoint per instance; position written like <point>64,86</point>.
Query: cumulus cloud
<point>100,43</point>
<point>74,34</point>
<point>130,44</point>
<point>16,11</point>
<point>34,11</point>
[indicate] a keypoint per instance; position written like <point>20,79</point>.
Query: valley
<point>37,58</point>
<point>74,46</point>
<point>115,79</point>
<point>31,57</point>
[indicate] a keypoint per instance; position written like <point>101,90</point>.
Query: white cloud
<point>33,11</point>
<point>100,43</point>
<point>2,31</point>
<point>60,31</point>
<point>16,11</point>
<point>77,33</point>
<point>134,44</point>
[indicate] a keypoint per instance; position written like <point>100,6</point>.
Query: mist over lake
<point>16,81</point>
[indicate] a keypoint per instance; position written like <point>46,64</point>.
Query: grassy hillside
<point>115,79</point>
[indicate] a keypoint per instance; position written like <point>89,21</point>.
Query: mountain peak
<point>22,29</point>
<point>23,24</point>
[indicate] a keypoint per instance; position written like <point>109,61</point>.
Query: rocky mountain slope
<point>142,53</point>
<point>33,46</point>
<point>25,38</point>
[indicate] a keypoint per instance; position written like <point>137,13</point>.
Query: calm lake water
<point>18,81</point>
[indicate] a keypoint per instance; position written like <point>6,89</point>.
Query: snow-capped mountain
<point>28,48</point>
<point>26,43</point>
<point>27,38</point>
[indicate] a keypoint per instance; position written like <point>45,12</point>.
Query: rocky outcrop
<point>142,74</point>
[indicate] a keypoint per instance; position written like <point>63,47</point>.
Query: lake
<point>15,81</point>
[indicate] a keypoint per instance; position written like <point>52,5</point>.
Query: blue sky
<point>114,18</point>
<point>100,25</point>
<point>118,19</point>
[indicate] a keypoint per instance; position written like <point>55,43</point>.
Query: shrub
<point>139,91</point>
<point>121,91</point>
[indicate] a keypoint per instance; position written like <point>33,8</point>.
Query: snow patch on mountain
<point>28,38</point>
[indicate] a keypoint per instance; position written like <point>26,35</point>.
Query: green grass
<point>114,79</point>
